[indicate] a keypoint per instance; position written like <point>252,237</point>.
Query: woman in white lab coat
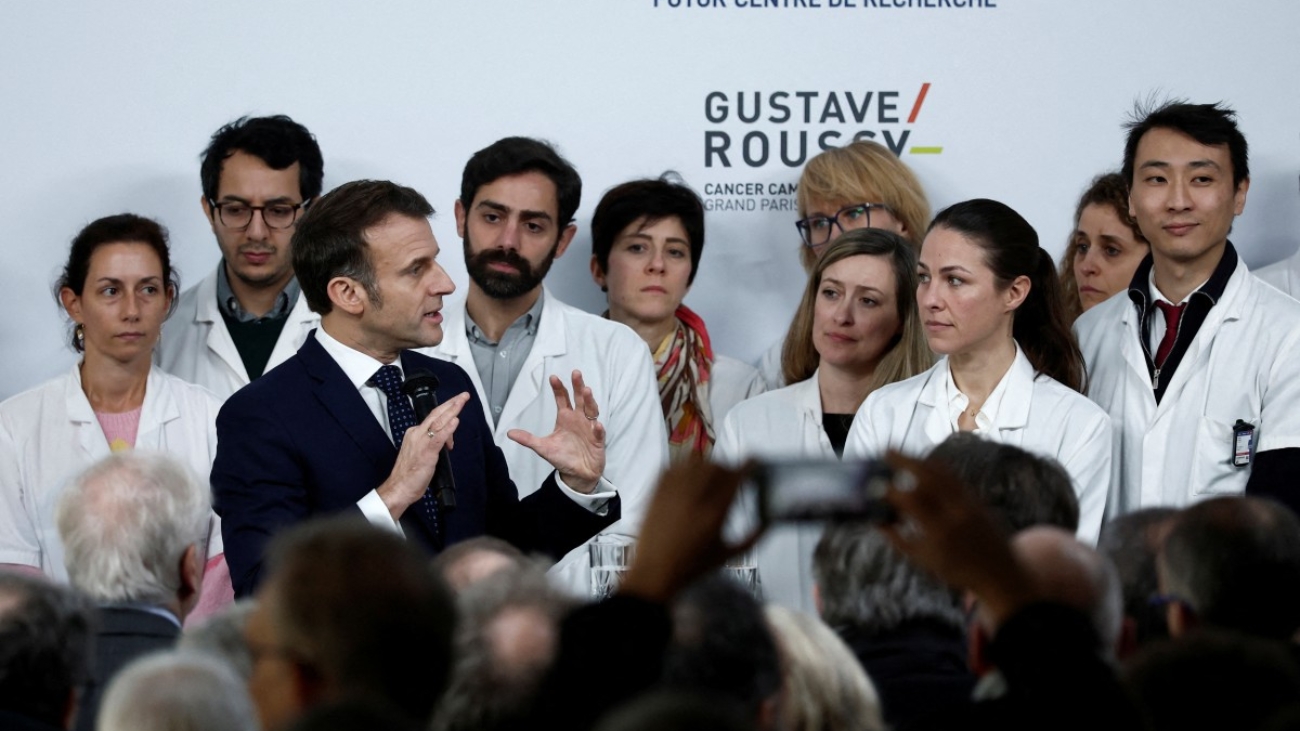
<point>117,288</point>
<point>859,185</point>
<point>855,330</point>
<point>646,240</point>
<point>990,302</point>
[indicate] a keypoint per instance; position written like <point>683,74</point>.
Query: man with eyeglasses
<point>259,175</point>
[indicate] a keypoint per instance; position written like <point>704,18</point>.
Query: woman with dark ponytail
<point>991,303</point>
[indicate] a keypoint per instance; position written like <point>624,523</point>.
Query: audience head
<point>676,710</point>
<point>1233,563</point>
<point>866,586</point>
<point>824,685</point>
<point>506,642</point>
<point>515,215</point>
<point>176,690</point>
<point>258,175</point>
<point>127,261</point>
<point>1131,542</point>
<point>1188,173</point>
<point>464,564</point>
<point>1065,571</point>
<point>983,277</point>
<point>837,183</point>
<point>1022,489</point>
<point>348,611</point>
<point>134,528</point>
<point>722,646</point>
<point>333,245</point>
<point>45,636</point>
<point>1105,248</point>
<point>222,636</point>
<point>1213,679</point>
<point>858,312</point>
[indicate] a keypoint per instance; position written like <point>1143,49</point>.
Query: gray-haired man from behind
<point>134,528</point>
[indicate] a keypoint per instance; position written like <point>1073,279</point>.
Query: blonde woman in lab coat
<point>855,330</point>
<point>990,302</point>
<point>117,288</point>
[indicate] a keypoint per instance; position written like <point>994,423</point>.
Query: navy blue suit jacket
<point>300,442</point>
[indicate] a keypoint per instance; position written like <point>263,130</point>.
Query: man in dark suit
<point>134,529</point>
<point>330,431</point>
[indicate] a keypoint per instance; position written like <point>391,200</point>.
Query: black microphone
<point>422,386</point>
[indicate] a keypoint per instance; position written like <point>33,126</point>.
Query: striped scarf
<point>684,362</point>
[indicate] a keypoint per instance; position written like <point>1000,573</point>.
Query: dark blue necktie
<point>400,418</point>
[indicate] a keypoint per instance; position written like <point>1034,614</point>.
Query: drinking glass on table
<point>610,556</point>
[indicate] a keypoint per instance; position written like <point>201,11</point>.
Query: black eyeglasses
<point>237,214</point>
<point>816,231</point>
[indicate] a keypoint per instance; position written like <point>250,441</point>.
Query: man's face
<point>511,234</point>
<point>1183,197</point>
<point>256,255</point>
<point>275,683</point>
<point>406,311</point>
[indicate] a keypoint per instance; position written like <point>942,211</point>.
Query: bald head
<point>1067,572</point>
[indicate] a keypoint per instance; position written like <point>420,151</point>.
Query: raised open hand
<point>576,449</point>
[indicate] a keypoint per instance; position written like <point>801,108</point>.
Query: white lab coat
<point>50,433</point>
<point>1285,275</point>
<point>1037,414</point>
<point>1244,363</point>
<point>731,382</point>
<point>616,365</point>
<point>769,365</point>
<point>196,345</point>
<point>781,424</point>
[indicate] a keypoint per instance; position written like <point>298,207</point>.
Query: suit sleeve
<point>258,487</point>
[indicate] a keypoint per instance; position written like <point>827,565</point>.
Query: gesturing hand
<point>576,449</point>
<point>418,457</point>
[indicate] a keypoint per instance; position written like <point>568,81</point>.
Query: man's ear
<point>190,570</point>
<point>348,295</point>
<point>459,208</point>
<point>208,212</point>
<point>1239,198</point>
<point>566,237</point>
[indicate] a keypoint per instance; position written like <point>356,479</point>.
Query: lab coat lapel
<point>454,348</point>
<point>551,342</point>
<point>1013,412</point>
<point>931,412</point>
<point>815,441</point>
<point>159,408</point>
<point>300,316</point>
<point>219,340</point>
<point>91,442</point>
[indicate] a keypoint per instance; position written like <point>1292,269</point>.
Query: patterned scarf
<point>684,362</point>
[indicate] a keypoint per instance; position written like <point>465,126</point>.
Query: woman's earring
<point>79,333</point>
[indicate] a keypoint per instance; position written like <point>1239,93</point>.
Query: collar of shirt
<point>148,608</point>
<point>359,369</point>
<point>357,366</point>
<point>229,303</point>
<point>957,401</point>
<point>527,324</point>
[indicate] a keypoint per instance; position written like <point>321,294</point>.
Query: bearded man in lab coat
<point>515,218</point>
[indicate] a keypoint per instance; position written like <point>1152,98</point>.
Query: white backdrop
<point>107,106</point>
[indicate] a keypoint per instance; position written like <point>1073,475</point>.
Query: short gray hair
<point>177,690</point>
<point>866,585</point>
<point>222,636</point>
<point>126,521</point>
